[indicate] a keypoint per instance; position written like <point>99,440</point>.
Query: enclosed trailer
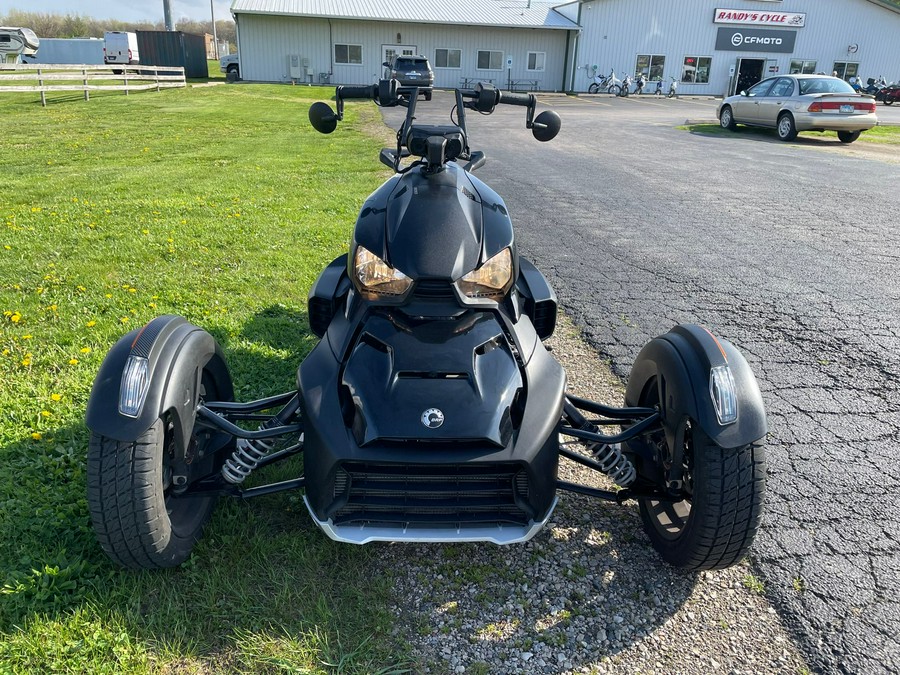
<point>68,50</point>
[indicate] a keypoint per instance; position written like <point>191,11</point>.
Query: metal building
<point>714,47</point>
<point>519,42</point>
<point>708,46</point>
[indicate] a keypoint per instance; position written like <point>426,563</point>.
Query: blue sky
<point>124,10</point>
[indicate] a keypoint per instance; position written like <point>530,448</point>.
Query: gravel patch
<point>587,595</point>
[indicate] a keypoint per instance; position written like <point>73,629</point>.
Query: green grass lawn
<point>881,134</point>
<point>222,205</point>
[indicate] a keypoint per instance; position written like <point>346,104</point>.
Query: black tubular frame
<point>218,415</point>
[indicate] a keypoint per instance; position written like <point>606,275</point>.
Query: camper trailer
<point>17,42</point>
<point>121,47</point>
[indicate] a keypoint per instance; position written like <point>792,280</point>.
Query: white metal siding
<point>266,41</point>
<point>616,31</point>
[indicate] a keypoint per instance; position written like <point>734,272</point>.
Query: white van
<point>121,47</point>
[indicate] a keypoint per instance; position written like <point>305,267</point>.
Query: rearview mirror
<point>546,126</point>
<point>322,117</point>
<point>386,64</point>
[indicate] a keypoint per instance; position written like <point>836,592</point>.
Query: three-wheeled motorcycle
<point>430,410</point>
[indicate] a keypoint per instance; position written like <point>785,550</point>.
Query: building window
<point>802,67</point>
<point>846,70</point>
<point>351,54</point>
<point>696,69</point>
<point>651,65</point>
<point>447,58</point>
<point>488,60</point>
<point>536,60</point>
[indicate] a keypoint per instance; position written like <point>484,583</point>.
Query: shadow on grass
<point>263,590</point>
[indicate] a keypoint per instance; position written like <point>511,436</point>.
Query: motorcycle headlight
<point>492,280</point>
<point>374,275</point>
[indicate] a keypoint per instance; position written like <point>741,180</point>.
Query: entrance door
<point>388,52</point>
<point>749,72</point>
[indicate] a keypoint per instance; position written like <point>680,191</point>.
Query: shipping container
<point>174,48</point>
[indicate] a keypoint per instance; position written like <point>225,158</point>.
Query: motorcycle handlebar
<point>368,92</point>
<point>511,98</point>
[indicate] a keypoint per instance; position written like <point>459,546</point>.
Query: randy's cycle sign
<point>786,19</point>
<point>755,40</point>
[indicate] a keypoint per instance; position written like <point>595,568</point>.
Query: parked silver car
<point>794,103</point>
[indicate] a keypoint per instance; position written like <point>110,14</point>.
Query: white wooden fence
<point>69,77</point>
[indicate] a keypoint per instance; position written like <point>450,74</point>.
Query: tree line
<point>47,25</point>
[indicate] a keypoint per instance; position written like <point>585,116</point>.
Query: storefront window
<point>846,70</point>
<point>447,58</point>
<point>696,69</point>
<point>488,60</point>
<point>802,67</point>
<point>651,65</point>
<point>348,54</point>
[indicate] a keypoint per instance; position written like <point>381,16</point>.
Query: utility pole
<point>212,10</point>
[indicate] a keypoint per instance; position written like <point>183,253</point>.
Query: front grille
<point>445,494</point>
<point>433,289</point>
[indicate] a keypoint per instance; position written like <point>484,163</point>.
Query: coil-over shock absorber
<point>250,452</point>
<point>608,455</point>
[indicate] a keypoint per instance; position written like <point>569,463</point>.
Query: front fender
<point>681,360</point>
<point>177,352</point>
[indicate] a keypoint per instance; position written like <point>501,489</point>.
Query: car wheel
<point>594,88</point>
<point>137,519</point>
<point>615,90</point>
<point>848,136</point>
<point>427,95</point>
<point>787,131</point>
<point>888,100</point>
<point>726,119</point>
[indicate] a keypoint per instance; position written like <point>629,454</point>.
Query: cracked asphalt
<point>640,226</point>
<point>788,250</point>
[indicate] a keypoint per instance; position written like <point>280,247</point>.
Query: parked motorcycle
<point>430,410</point>
<point>889,94</point>
<point>626,86</point>
<point>673,88</point>
<point>640,83</point>
<point>610,84</point>
<point>873,86</point>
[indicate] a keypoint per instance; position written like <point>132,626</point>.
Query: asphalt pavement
<point>788,250</point>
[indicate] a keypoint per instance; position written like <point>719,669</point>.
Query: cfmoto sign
<point>755,40</point>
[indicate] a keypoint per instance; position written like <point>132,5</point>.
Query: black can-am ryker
<point>430,409</point>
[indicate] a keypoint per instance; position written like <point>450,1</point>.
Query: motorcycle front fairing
<point>432,416</point>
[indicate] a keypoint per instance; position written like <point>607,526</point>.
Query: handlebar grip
<point>369,92</point>
<point>511,98</point>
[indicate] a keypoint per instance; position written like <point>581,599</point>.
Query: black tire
<point>888,100</point>
<point>714,528</point>
<point>427,95</point>
<point>615,90</point>
<point>137,521</point>
<point>848,136</point>
<point>726,119</point>
<point>594,88</point>
<point>787,130</point>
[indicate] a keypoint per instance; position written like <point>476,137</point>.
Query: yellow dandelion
<point>73,362</point>
<point>132,290</point>
<point>170,240</point>
<point>124,319</point>
<point>45,414</point>
<point>27,337</point>
<point>91,323</point>
<point>145,231</point>
<point>8,247</point>
<point>35,209</point>
<point>5,352</point>
<point>26,361</point>
<point>36,436</point>
<point>85,350</point>
<point>55,397</point>
<point>15,318</point>
<point>152,305</point>
<point>81,288</point>
<point>52,308</point>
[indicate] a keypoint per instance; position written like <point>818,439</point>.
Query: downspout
<point>575,47</point>
<point>331,49</point>
<point>568,40</point>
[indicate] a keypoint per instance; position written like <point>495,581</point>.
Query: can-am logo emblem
<point>432,418</point>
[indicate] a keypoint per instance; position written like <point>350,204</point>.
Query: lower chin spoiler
<point>495,534</point>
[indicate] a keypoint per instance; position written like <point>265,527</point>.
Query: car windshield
<point>405,65</point>
<point>824,85</point>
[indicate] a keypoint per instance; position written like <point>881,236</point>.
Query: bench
<point>525,85</point>
<point>470,82</point>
